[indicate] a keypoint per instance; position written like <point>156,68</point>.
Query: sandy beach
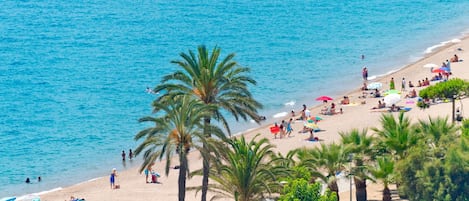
<point>355,115</point>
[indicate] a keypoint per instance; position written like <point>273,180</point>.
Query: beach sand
<point>133,186</point>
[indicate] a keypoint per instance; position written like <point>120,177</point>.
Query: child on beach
<point>112,179</point>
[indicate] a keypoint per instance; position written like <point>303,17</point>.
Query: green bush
<point>302,190</point>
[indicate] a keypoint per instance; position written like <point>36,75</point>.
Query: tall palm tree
<point>246,170</point>
<point>384,171</point>
<point>174,130</point>
<point>326,161</point>
<point>361,147</point>
<point>223,84</point>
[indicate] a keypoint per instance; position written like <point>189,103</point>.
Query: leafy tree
<point>173,132</point>
<point>437,167</point>
<point>222,84</point>
<point>301,190</point>
<point>361,147</point>
<point>246,171</point>
<point>451,89</point>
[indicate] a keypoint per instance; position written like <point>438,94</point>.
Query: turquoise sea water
<point>73,74</point>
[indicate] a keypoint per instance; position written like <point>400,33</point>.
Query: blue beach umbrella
<point>374,85</point>
<point>445,69</point>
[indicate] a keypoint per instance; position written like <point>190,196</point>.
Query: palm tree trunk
<point>182,175</point>
<point>386,194</point>
<point>360,186</point>
<point>206,162</point>
<point>334,187</point>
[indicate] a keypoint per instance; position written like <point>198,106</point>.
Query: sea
<point>73,74</point>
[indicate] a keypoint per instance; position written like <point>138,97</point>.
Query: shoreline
<point>262,128</point>
<point>435,49</point>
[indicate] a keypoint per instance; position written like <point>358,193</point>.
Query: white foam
<point>372,77</point>
<point>281,114</point>
<point>456,40</point>
<point>290,103</point>
<point>432,48</point>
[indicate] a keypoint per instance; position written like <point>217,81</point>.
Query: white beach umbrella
<point>392,99</point>
<point>430,65</point>
<point>374,85</point>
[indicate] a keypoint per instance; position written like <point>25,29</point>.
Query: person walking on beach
<point>131,154</point>
<point>289,128</point>
<point>123,155</point>
<point>403,84</point>
<point>391,84</point>
<point>282,129</point>
<point>365,73</point>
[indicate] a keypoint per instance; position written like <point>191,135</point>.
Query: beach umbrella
<point>430,65</point>
<point>439,70</point>
<point>311,125</point>
<point>316,118</point>
<point>392,99</point>
<point>374,85</point>
<point>445,69</point>
<point>324,98</point>
<point>392,91</point>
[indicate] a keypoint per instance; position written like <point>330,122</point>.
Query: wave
<point>434,47</point>
<point>290,103</point>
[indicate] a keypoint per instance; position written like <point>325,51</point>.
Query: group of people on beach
<point>284,129</point>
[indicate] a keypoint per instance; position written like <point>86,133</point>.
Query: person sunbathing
<point>410,84</point>
<point>377,93</point>
<point>412,94</point>
<point>394,108</point>
<point>455,58</point>
<point>364,87</point>
<point>380,105</point>
<point>346,101</point>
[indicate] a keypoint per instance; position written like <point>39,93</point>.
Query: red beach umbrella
<point>439,70</point>
<point>324,98</point>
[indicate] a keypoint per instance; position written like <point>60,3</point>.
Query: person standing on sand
<point>365,73</point>
<point>403,84</point>
<point>112,178</point>
<point>289,128</point>
<point>391,84</point>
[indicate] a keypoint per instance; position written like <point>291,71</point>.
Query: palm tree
<point>246,170</point>
<point>383,171</point>
<point>221,84</point>
<point>396,136</point>
<point>437,130</point>
<point>173,132</point>
<point>325,162</point>
<point>361,147</point>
